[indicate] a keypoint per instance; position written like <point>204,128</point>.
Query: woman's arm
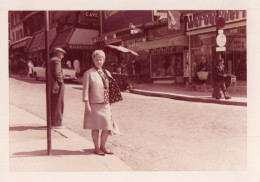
<point>86,81</point>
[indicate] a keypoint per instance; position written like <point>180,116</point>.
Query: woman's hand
<point>87,108</point>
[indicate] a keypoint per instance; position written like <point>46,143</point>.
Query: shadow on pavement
<point>27,79</point>
<point>40,81</point>
<point>54,152</point>
<point>23,128</point>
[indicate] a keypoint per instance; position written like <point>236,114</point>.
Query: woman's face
<point>99,61</point>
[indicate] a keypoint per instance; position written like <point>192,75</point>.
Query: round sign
<point>220,22</point>
<point>221,40</point>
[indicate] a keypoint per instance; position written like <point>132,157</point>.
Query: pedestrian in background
<point>57,88</point>
<point>98,114</point>
<point>76,66</point>
<point>69,63</point>
<point>30,68</point>
<point>201,68</point>
<point>219,80</point>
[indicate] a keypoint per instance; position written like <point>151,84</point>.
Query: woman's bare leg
<point>104,136</point>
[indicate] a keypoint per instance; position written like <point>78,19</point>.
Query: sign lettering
<point>198,21</point>
<point>163,50</point>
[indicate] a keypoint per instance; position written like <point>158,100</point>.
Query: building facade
<point>72,30</point>
<point>166,53</point>
<point>202,32</point>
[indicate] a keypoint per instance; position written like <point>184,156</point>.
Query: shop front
<point>78,43</point>
<point>162,59</point>
<point>18,48</point>
<point>35,51</point>
<point>202,32</point>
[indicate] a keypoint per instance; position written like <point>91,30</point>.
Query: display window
<point>204,45</point>
<point>166,65</point>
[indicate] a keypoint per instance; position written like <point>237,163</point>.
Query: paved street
<point>157,133</point>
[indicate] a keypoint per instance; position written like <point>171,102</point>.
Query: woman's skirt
<point>100,117</point>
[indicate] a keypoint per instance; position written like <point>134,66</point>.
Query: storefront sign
<point>163,50</point>
<point>104,38</point>
<point>238,44</point>
<point>92,14</point>
<point>208,19</point>
<point>134,42</point>
<point>90,18</point>
<point>156,23</point>
<point>163,32</point>
<point>82,47</point>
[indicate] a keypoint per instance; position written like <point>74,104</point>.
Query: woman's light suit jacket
<point>93,88</point>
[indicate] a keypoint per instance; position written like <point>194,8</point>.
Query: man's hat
<point>58,49</point>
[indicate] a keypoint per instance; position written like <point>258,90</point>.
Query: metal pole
<point>48,93</point>
<point>190,66</point>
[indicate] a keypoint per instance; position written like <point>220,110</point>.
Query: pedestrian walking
<point>57,88</point>
<point>76,66</point>
<point>30,67</point>
<point>98,115</point>
<point>219,81</point>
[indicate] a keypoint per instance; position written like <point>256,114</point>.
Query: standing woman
<point>98,114</point>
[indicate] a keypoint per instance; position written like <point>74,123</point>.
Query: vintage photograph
<point>127,90</point>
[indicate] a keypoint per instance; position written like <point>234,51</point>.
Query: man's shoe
<point>227,97</point>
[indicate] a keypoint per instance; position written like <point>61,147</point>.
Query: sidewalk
<point>179,92</point>
<point>70,152</point>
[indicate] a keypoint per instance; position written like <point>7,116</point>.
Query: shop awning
<point>181,40</point>
<point>122,49</point>
<point>38,41</point>
<point>22,43</point>
<point>75,39</point>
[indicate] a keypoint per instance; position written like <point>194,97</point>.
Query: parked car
<point>69,73</point>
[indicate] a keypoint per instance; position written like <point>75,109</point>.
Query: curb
<point>205,99</point>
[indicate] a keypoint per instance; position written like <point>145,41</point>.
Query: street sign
<point>136,30</point>
<point>220,22</point>
<point>221,40</point>
<point>219,49</point>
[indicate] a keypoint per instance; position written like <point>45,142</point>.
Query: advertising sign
<point>208,19</point>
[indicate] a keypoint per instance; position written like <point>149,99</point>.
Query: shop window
<point>167,65</point>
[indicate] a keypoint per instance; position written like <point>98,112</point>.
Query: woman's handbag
<point>114,90</point>
<point>115,131</point>
<point>203,75</point>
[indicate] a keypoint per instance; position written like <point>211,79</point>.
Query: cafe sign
<point>208,19</point>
